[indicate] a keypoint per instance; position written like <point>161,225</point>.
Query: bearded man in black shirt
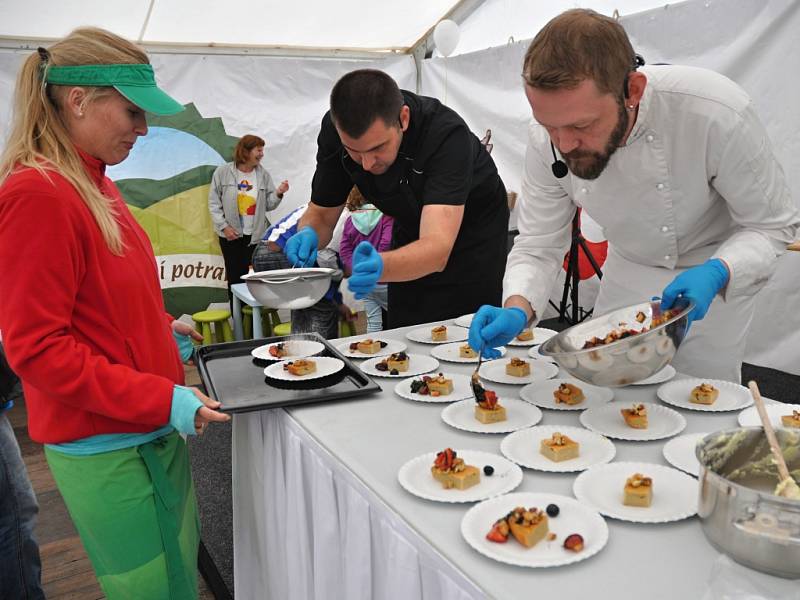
<point>417,161</point>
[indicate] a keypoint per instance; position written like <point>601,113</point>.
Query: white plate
<point>295,348</point>
<point>461,415</point>
<point>535,352</point>
<point>775,410</point>
<point>449,353</point>
<point>541,394</point>
<point>418,364</point>
<point>541,370</point>
<point>572,518</point>
<point>392,346</point>
<point>523,448</point>
<point>662,422</point>
<point>663,375</point>
<point>462,390</point>
<point>423,335</point>
<point>540,336</point>
<point>731,395</point>
<point>464,320</point>
<point>679,452</point>
<point>415,476</point>
<point>326,365</point>
<point>674,492</point>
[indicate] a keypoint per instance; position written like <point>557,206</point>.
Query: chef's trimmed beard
<point>588,164</point>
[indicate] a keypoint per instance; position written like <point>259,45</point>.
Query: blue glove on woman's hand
<point>301,248</point>
<point>367,270</point>
<point>185,345</point>
<point>493,327</point>
<point>699,284</point>
<point>185,404</point>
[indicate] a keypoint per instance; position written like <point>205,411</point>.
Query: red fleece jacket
<point>85,330</point>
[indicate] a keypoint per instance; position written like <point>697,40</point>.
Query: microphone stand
<point>572,277</point>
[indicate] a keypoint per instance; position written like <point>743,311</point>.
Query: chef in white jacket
<point>675,166</point>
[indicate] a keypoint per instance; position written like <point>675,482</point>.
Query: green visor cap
<point>136,82</point>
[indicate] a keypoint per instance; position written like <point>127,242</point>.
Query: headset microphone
<point>559,167</point>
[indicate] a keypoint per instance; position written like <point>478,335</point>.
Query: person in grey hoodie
<point>240,195</point>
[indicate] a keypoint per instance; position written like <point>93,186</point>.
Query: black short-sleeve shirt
<point>440,161</point>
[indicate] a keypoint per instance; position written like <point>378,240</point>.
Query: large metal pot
<point>739,513</point>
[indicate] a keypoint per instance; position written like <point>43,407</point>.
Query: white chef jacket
<point>696,179</point>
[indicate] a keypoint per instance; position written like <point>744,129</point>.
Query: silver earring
<point>631,107</point>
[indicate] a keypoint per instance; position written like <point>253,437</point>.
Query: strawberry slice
<point>496,535</point>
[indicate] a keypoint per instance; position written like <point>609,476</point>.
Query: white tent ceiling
<point>320,27</point>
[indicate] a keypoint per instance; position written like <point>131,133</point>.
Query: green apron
<point>136,513</point>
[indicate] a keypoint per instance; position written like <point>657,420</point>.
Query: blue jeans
<point>374,302</point>
<point>20,567</point>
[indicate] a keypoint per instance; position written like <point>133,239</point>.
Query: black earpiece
<point>559,167</point>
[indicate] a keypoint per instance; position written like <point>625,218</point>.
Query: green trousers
<point>136,513</point>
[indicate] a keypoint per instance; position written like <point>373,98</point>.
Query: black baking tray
<point>236,379</point>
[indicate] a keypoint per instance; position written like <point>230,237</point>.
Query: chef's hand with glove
<point>493,327</point>
<point>301,248</point>
<point>367,270</point>
<point>699,284</point>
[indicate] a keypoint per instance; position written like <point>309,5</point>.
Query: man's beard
<point>588,164</point>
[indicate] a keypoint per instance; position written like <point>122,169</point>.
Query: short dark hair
<point>579,44</point>
<point>362,96</point>
<point>244,146</point>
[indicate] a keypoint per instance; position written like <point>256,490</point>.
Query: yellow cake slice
<point>559,447</point>
<point>792,420</point>
<point>635,416</point>
<point>398,362</point>
<point>528,526</point>
<point>526,335</point>
<point>451,471</point>
<point>466,351</point>
<point>369,346</point>
<point>568,394</point>
<point>517,367</point>
<point>638,491</point>
<point>301,366</point>
<point>440,385</point>
<point>439,334</point>
<point>705,393</point>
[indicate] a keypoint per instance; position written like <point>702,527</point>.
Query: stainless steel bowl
<point>624,361</point>
<point>739,513</point>
<point>290,288</point>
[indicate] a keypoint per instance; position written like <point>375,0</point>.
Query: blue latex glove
<point>185,346</point>
<point>367,270</point>
<point>699,284</point>
<point>301,248</point>
<point>184,407</point>
<point>492,327</point>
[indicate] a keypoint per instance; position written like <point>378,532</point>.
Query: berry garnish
<point>552,510</point>
<point>574,542</point>
<point>394,372</point>
<point>488,470</point>
<point>383,344</point>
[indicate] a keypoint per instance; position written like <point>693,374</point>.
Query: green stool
<point>347,328</point>
<point>247,321</point>
<point>282,329</point>
<point>222,328</point>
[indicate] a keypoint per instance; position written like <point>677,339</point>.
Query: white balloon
<point>446,36</point>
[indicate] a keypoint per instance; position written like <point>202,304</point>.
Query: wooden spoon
<point>787,487</point>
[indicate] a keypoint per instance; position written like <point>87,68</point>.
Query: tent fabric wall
<point>754,42</point>
<point>282,99</point>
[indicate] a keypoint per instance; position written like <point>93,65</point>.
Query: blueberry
<point>394,372</point>
<point>489,470</point>
<point>552,510</point>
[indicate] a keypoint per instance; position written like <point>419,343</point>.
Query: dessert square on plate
<point>559,447</point>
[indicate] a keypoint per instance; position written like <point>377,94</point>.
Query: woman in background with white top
<point>240,195</point>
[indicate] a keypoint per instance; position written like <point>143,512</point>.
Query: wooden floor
<point>66,571</point>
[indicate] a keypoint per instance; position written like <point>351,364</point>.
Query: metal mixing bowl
<point>624,361</point>
<point>290,289</point>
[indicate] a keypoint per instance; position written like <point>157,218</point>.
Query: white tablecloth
<point>319,514</point>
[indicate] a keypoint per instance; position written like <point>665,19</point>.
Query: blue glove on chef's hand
<point>301,248</point>
<point>700,285</point>
<point>367,270</point>
<point>492,327</point>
